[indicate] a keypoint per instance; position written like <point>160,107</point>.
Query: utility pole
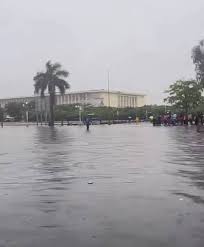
<point>25,106</point>
<point>80,109</point>
<point>108,89</point>
<point>36,107</point>
<point>27,118</point>
<point>146,115</point>
<point>109,97</point>
<point>2,116</point>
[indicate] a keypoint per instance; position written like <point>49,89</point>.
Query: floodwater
<point>148,186</point>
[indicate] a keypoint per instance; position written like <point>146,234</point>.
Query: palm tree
<point>52,78</point>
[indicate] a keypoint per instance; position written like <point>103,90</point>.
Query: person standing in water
<point>87,124</point>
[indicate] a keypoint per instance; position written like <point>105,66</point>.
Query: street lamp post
<point>117,114</point>
<point>26,113</point>
<point>27,117</point>
<point>80,110</point>
<point>26,108</point>
<point>2,116</point>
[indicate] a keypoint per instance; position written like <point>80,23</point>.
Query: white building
<point>93,97</point>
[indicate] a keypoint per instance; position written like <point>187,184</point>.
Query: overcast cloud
<point>146,44</point>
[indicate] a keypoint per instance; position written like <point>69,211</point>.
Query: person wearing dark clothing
<point>87,123</point>
<point>196,120</point>
<point>185,119</point>
<point>201,119</point>
<point>159,121</point>
<point>154,121</point>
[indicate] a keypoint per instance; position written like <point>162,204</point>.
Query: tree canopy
<point>198,60</point>
<point>1,113</point>
<point>53,77</point>
<point>15,110</point>
<point>184,95</point>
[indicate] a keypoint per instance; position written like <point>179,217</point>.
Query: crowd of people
<point>170,119</point>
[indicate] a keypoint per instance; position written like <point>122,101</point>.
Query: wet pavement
<point>114,186</point>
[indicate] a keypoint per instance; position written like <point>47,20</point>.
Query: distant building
<point>5,101</point>
<point>95,98</point>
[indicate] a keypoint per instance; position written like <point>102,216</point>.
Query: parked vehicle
<point>9,119</point>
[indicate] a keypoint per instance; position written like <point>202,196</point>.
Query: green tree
<point>52,78</point>
<point>67,112</point>
<point>15,110</point>
<point>70,112</point>
<point>184,95</point>
<point>1,114</point>
<point>30,108</point>
<point>198,60</point>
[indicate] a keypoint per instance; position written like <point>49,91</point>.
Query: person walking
<point>87,124</point>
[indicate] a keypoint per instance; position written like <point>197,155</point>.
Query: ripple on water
<point>139,173</point>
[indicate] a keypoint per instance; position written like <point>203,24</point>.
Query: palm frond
<point>36,88</point>
<point>52,68</point>
<point>62,85</point>
<point>40,83</point>
<point>40,87</point>
<point>56,67</point>
<point>48,65</point>
<point>39,76</point>
<point>51,79</point>
<point>62,73</point>
<point>51,87</point>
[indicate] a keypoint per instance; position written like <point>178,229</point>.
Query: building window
<point>57,99</point>
<point>81,97</point>
<point>128,101</point>
<point>65,99</point>
<point>119,101</point>
<point>73,98</point>
<point>135,101</point>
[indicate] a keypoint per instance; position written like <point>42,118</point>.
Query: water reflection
<point>196,199</point>
<point>52,149</point>
<point>53,170</point>
<point>186,154</point>
<point>45,135</point>
<point>139,173</point>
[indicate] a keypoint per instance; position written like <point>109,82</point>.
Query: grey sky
<point>146,44</point>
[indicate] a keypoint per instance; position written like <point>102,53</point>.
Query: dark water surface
<point>148,186</point>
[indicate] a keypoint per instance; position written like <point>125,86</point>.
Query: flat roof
<point>112,91</point>
<point>83,91</point>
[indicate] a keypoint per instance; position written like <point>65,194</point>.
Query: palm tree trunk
<point>52,102</point>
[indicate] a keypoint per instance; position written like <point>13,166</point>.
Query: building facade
<point>95,98</point>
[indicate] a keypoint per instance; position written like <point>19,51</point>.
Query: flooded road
<point>148,186</point>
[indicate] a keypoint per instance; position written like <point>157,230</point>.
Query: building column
<point>136,101</point>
